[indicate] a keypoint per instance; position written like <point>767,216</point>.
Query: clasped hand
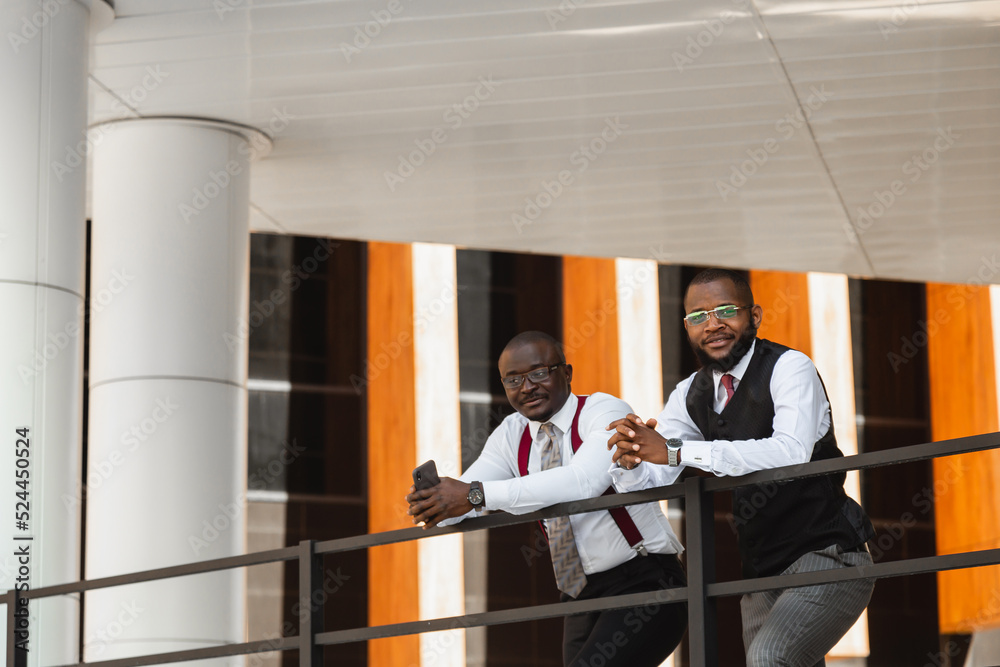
<point>447,500</point>
<point>636,442</point>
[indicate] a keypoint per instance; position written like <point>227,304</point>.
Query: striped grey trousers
<point>796,627</point>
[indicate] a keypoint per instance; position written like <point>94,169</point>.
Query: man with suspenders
<point>554,450</point>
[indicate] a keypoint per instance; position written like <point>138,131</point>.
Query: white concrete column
<point>168,367</point>
<point>435,346</point>
<point>43,67</point>
<point>639,358</point>
<point>640,362</point>
<point>833,354</point>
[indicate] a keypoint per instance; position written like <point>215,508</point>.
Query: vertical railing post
<point>699,514</point>
<point>17,608</point>
<point>8,599</point>
<point>311,600</point>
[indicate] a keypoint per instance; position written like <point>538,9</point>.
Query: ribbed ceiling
<point>706,156</point>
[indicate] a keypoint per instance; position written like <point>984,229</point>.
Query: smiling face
<point>536,401</point>
<point>720,344</point>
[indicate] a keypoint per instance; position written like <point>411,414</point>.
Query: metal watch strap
<point>674,451</point>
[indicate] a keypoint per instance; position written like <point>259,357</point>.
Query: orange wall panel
<point>590,324</point>
<point>784,297</point>
<point>392,586</point>
<point>966,488</point>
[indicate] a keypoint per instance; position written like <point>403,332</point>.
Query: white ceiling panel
<point>758,134</point>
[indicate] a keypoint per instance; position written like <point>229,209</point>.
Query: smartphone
<point>425,476</point>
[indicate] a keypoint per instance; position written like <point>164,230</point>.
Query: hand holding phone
<point>425,476</point>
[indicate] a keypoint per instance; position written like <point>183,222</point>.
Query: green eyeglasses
<point>721,313</point>
<point>536,376</point>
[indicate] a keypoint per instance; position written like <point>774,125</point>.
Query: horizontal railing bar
<point>729,588</point>
<point>868,460</point>
<point>871,459</point>
<point>913,453</point>
<point>538,612</point>
<point>895,568</point>
<point>499,519</point>
<point>244,560</point>
<point>261,646</point>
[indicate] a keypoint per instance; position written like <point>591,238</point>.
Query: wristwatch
<point>674,451</point>
<point>476,497</point>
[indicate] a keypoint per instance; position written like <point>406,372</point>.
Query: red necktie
<point>727,382</point>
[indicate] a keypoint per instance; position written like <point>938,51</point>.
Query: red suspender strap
<point>522,465</point>
<point>624,520</point>
<point>574,435</point>
<point>523,451</point>
<point>621,516</point>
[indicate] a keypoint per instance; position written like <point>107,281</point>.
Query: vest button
<point>722,422</point>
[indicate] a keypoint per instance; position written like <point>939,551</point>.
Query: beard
<point>740,347</point>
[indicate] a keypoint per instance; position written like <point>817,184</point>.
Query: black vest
<point>777,522</point>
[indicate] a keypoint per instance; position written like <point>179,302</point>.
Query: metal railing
<point>701,592</point>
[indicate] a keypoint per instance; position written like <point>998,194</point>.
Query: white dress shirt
<point>801,418</point>
<point>583,475</point>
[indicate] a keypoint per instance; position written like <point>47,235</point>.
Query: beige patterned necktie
<point>570,576</point>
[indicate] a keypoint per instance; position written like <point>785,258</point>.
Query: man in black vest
<point>552,450</point>
<point>756,405</point>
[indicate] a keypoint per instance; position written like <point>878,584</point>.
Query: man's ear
<point>569,374</point>
<point>758,315</point>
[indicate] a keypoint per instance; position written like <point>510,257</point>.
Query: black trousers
<point>633,637</point>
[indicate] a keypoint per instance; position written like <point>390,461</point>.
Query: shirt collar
<point>738,370</point>
<point>562,419</point>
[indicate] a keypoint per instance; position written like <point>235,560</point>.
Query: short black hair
<point>714,274</point>
<point>527,337</point>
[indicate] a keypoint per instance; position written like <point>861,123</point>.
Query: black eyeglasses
<point>721,313</point>
<point>536,376</point>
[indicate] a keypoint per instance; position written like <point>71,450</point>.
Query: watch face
<point>476,497</point>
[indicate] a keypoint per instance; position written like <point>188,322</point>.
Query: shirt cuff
<point>456,519</point>
<point>630,480</point>
<point>497,495</point>
<point>696,454</point>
